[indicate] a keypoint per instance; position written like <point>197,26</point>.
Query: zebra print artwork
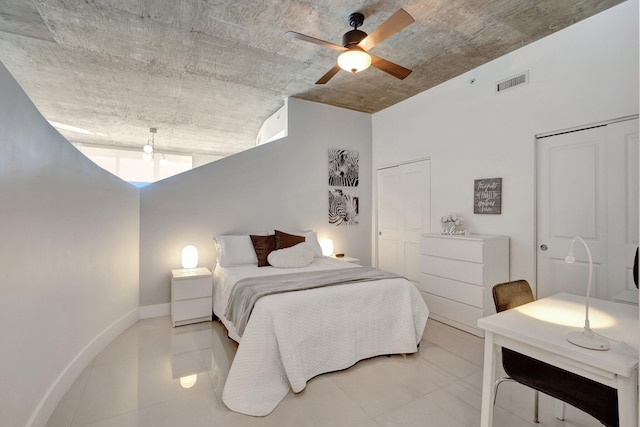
<point>344,167</point>
<point>343,207</point>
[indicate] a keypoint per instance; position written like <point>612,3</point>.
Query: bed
<point>293,336</point>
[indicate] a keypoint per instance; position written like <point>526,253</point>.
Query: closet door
<point>403,213</point>
<point>587,186</point>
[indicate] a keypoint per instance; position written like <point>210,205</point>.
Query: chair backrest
<point>511,294</point>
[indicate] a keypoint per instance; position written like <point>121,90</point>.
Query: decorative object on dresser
<point>457,274</point>
<point>452,225</point>
<point>191,295</point>
<point>487,196</point>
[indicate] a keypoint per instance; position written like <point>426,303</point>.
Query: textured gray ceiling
<point>207,73</point>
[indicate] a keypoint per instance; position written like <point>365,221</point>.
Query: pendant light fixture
<point>149,146</point>
<point>149,149</point>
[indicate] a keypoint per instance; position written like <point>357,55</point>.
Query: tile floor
<point>135,382</point>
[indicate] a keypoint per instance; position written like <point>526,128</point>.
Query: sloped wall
<point>68,260</point>
<point>281,184</point>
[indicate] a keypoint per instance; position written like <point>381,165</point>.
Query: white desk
<point>538,329</point>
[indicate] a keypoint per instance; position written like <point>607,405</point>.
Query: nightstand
<point>350,259</point>
<point>191,295</point>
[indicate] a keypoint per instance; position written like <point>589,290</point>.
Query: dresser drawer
<point>452,289</point>
<point>461,248</point>
<point>463,271</point>
<point>195,287</point>
<point>191,309</point>
<point>454,313</point>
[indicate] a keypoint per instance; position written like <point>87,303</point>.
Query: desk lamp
<point>585,338</point>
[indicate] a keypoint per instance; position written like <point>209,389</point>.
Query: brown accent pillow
<point>286,240</point>
<point>263,245</point>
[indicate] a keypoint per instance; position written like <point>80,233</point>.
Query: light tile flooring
<point>135,382</point>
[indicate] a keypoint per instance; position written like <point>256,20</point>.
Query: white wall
<point>584,74</point>
<point>275,126</point>
<point>69,260</point>
<point>283,185</point>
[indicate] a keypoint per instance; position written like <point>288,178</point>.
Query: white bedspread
<point>292,337</point>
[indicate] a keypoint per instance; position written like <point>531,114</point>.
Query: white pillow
<point>310,236</point>
<point>296,256</point>
<point>235,250</point>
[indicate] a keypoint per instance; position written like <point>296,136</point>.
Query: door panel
<point>404,209</point>
<point>389,219</point>
<point>573,188</point>
<point>587,186</point>
<point>623,204</point>
<point>571,202</point>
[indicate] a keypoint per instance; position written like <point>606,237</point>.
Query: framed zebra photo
<point>344,167</point>
<point>343,206</point>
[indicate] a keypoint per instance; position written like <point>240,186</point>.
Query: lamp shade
<point>327,247</point>
<point>189,257</point>
<point>148,148</point>
<point>354,60</point>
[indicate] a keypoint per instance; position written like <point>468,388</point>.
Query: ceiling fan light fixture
<point>354,60</point>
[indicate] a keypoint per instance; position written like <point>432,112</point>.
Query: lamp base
<point>592,342</point>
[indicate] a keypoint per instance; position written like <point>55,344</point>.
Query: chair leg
<point>495,387</point>
<point>560,409</point>
<point>536,398</point>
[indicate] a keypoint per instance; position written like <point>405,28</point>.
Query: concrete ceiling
<point>207,73</point>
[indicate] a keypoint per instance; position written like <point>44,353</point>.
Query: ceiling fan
<point>356,44</point>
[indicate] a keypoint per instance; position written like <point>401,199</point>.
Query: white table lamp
<point>327,247</point>
<point>585,338</point>
<point>189,257</point>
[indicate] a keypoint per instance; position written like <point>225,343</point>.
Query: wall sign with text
<point>487,196</point>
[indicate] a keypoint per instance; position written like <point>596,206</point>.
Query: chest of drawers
<point>191,295</point>
<point>457,275</point>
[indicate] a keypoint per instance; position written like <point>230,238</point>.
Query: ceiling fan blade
<point>389,67</point>
<point>395,23</point>
<point>332,72</point>
<point>310,39</point>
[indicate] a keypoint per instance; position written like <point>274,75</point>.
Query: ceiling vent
<point>512,82</point>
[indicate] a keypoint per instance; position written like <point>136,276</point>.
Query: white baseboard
<point>156,310</point>
<point>70,373</point>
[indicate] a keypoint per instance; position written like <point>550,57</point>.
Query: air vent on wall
<point>512,82</point>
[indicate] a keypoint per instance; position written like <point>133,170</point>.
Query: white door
<point>404,212</point>
<point>587,186</point>
<point>623,193</point>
